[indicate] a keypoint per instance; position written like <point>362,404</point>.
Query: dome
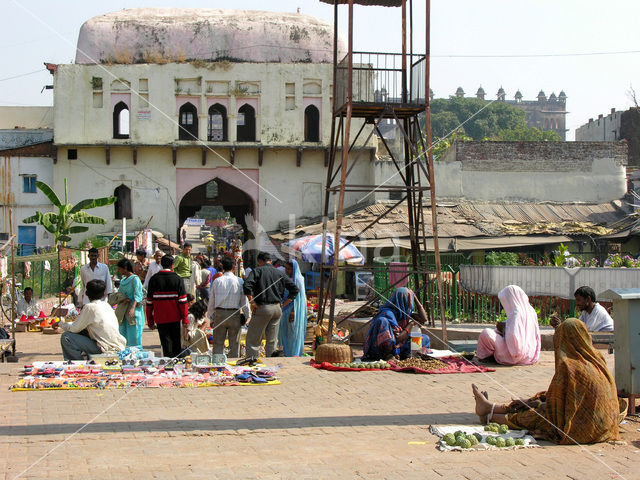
<point>518,95</point>
<point>160,35</point>
<point>541,94</point>
<point>562,94</point>
<point>501,91</point>
<point>480,91</point>
<point>552,96</point>
<point>459,92</point>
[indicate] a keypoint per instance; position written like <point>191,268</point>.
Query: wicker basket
<point>334,353</point>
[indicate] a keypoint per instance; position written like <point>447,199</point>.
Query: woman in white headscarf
<point>516,341</point>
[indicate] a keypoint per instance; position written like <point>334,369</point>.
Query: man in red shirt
<point>167,307</point>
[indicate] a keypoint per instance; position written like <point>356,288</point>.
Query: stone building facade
<point>543,113</point>
<point>618,125</point>
<point>161,102</point>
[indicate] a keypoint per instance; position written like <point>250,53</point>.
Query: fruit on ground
<point>463,442</point>
<point>500,442</point>
<point>503,429</point>
<point>510,442</point>
<point>472,439</point>
<point>519,441</point>
<point>449,439</point>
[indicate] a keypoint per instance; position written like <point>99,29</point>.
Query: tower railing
<point>378,78</point>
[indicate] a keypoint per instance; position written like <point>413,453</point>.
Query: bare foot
<point>483,407</point>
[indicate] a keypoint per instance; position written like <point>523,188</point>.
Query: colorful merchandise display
<point>108,372</point>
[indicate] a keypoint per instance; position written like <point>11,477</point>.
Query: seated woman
<point>193,335</point>
<point>516,341</point>
<point>581,403</point>
<point>390,327</point>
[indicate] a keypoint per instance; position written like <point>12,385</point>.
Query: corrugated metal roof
<point>382,3</point>
<point>497,219</point>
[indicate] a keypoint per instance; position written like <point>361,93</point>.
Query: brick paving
<point>317,424</point>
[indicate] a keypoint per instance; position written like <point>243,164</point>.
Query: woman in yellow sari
<point>581,403</point>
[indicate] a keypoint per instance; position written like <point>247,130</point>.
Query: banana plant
<point>61,224</point>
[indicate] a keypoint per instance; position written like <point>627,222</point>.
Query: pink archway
<point>243,179</point>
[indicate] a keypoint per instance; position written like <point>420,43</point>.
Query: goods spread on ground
<point>142,371</point>
<point>425,365</point>
<point>490,437</point>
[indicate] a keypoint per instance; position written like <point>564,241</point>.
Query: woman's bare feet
<point>483,406</point>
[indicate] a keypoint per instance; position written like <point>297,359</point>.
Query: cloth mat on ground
<point>441,430</point>
<point>335,368</point>
<point>83,376</point>
<point>455,364</point>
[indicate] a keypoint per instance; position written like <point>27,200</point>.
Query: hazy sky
<point>525,44</point>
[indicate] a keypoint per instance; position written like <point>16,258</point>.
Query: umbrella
<point>309,249</point>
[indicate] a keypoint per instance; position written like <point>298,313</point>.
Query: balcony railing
<point>378,79</point>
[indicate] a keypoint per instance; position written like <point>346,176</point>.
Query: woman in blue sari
<point>390,327</point>
<point>131,287</point>
<point>293,323</point>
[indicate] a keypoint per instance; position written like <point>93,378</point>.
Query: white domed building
<point>161,102</point>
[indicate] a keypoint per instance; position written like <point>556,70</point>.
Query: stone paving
<point>317,424</point>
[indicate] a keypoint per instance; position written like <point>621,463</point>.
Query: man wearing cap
<point>154,267</point>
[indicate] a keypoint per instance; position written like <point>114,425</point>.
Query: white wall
<point>24,204</point>
<point>78,122</point>
<point>604,181</point>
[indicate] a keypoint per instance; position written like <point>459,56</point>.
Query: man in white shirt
<point>154,267</point>
<point>27,305</point>
<point>100,323</point>
<point>94,270</point>
<point>226,302</point>
<point>594,315</point>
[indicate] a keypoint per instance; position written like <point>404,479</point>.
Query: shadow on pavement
<point>207,424</point>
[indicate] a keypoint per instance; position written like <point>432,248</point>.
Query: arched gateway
<point>235,190</point>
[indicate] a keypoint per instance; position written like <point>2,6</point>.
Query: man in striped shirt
<point>167,307</point>
<point>226,302</point>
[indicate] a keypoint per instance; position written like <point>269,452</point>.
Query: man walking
<point>94,270</point>
<point>227,302</point>
<point>167,307</point>
<point>182,267</point>
<point>265,288</point>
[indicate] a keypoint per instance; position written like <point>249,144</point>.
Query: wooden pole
<point>13,283</point>
<point>432,181</point>
<point>343,174</point>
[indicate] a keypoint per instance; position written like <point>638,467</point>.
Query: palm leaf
<point>33,218</point>
<point>50,194</point>
<point>77,229</point>
<point>92,203</point>
<point>84,217</point>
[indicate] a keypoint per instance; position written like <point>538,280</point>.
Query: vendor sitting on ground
<point>516,341</point>
<point>27,306</point>
<point>594,315</point>
<point>581,403</point>
<point>390,327</point>
<point>95,330</point>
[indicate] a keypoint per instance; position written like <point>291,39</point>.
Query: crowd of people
<point>186,298</point>
<point>195,306</point>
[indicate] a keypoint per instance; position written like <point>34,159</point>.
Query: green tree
<point>477,118</point>
<point>61,224</point>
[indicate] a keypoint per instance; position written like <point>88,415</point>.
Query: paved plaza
<point>317,424</point>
